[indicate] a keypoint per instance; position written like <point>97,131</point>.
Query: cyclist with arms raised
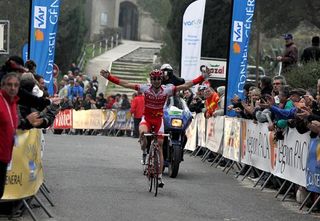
<point>156,95</point>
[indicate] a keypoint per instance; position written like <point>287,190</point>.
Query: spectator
<point>66,103</point>
<point>197,103</point>
<point>266,86</point>
<point>169,77</point>
<point>95,83</point>
<point>63,91</point>
<point>42,85</point>
<point>117,102</point>
<point>100,101</point>
<point>278,82</point>
<point>125,104</point>
<point>31,66</point>
<point>188,96</point>
<point>8,122</point>
<point>89,103</point>
<point>75,90</point>
<point>15,64</point>
<point>311,53</point>
<point>110,102</point>
<point>289,58</point>
<point>137,109</point>
<point>91,90</point>
<point>211,102</point>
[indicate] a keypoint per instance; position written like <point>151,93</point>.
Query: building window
<point>104,19</point>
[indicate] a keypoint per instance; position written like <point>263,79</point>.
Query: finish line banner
<point>243,11</point>
<point>43,33</point>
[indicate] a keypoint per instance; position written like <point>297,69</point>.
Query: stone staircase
<point>133,67</point>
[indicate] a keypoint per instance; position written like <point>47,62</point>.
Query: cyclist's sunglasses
<point>156,79</point>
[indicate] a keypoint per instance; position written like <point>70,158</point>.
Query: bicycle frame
<point>153,165</point>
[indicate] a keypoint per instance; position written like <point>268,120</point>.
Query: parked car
<point>251,73</point>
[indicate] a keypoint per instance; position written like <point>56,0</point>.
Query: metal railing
<point>97,48</point>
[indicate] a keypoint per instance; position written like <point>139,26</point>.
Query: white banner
<point>231,140</point>
<point>291,157</point>
<point>256,148</point>
<point>215,134</point>
<point>192,25</point>
<point>191,134</point>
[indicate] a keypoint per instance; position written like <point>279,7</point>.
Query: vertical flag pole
<point>29,32</point>
<point>228,57</point>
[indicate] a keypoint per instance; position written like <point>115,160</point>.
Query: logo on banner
<point>237,31</point>
<point>40,21</point>
<point>40,17</point>
<point>237,36</point>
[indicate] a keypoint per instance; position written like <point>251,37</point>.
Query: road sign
<point>4,36</point>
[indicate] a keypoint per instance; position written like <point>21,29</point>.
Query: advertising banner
<point>291,157</point>
<point>215,134</point>
<point>25,172</point>
<point>191,134</point>
<point>201,121</point>
<point>313,166</point>
<point>255,149</point>
<point>231,142</point>
<point>217,66</point>
<point>63,120</point>
<point>88,119</point>
<point>44,25</point>
<point>243,11</point>
<point>192,25</point>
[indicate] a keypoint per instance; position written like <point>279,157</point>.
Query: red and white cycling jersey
<point>154,102</point>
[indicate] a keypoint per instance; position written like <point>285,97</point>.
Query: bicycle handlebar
<point>153,134</point>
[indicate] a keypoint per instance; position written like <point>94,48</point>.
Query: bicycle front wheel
<point>156,163</point>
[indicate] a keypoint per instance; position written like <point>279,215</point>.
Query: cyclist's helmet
<point>156,73</point>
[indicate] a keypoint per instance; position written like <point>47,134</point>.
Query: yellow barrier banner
<point>88,119</point>
<point>25,171</point>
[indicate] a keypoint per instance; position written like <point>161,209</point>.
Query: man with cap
<point>311,53</point>
<point>169,77</point>
<point>290,56</point>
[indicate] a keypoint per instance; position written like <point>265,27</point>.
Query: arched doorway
<point>128,20</point>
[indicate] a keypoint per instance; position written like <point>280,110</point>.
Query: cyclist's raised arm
<point>204,76</point>
<point>107,75</point>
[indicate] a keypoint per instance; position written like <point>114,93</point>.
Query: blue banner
<point>44,26</point>
<point>242,16</point>
<point>313,166</point>
<point>24,54</point>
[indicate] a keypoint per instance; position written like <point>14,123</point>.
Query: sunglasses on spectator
<point>156,79</point>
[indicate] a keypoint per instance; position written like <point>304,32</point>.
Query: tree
<point>71,29</point>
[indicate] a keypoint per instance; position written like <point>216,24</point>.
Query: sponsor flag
<point>313,166</point>
<point>191,39</point>
<point>43,33</point>
<point>242,15</point>
<point>25,52</point>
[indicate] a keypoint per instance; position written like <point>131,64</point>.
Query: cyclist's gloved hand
<point>205,72</point>
<point>105,73</point>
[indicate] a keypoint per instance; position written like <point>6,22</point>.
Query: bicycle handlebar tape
<point>113,79</point>
<point>198,80</point>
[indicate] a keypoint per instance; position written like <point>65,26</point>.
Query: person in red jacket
<point>137,110</point>
<point>8,122</point>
